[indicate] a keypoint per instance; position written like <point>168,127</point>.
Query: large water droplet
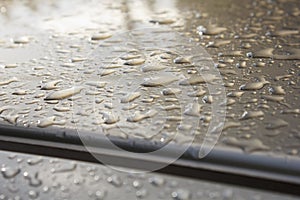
<point>62,94</point>
<point>181,194</point>
<point>10,172</point>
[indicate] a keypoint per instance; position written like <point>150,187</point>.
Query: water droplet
<point>22,40</point>
<point>64,167</point>
<point>78,59</point>
<point>264,53</point>
<point>130,97</point>
<point>210,30</point>
<point>182,60</point>
<point>68,65</point>
<point>253,86</point>
<point>105,72</point>
<point>157,181</point>
<point>141,193</point>
<point>34,180</point>
<point>62,94</point>
<point>148,100</point>
<point>284,33</point>
<point>130,106</point>
<point>130,56</point>
<point>51,85</point>
<point>252,114</point>
<point>10,118</point>
<point>217,44</point>
<point>291,111</point>
<point>234,53</point>
<point>193,109</point>
<point>259,64</point>
<point>162,21</point>
<point>229,125</point>
<point>10,172</point>
<point>248,146</point>
<point>171,91</point>
<point>34,160</point>
<point>9,66</point>
<point>181,194</point>
<point>159,81</point>
<point>280,77</point>
<point>276,123</point>
<point>277,90</point>
<point>8,81</point>
<point>101,36</point>
<point>49,121</point>
<point>138,116</point>
<point>101,194</point>
<point>227,194</point>
<point>207,99</point>
<point>196,79</point>
<point>136,61</point>
<point>137,184</point>
<point>241,64</point>
<point>110,118</point>
<point>172,107</point>
<point>20,92</point>
<point>235,94</point>
<point>150,68</point>
<point>273,98</point>
<point>115,180</point>
<point>61,109</point>
<point>33,194</point>
<point>197,93</point>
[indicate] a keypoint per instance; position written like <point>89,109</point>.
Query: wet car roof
<point>54,72</point>
<point>188,73</point>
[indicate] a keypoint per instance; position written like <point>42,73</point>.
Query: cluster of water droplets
<point>258,58</point>
<point>34,177</point>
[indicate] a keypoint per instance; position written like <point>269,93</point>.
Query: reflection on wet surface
<point>34,177</point>
<point>53,72</point>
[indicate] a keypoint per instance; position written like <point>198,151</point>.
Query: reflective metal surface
<point>35,177</point>
<point>83,66</point>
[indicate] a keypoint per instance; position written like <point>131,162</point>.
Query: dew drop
<point>22,40</point>
<point>252,114</point>
<point>101,36</point>
<point>181,194</point>
<point>110,118</point>
<point>150,68</point>
<point>8,81</point>
<point>133,62</point>
<point>130,97</point>
<point>210,30</point>
<point>193,109</point>
<point>276,123</point>
<point>141,194</point>
<point>182,60</point>
<point>253,86</point>
<point>157,181</point>
<point>62,94</point>
<point>33,194</point>
<point>159,81</point>
<point>248,146</point>
<point>171,91</point>
<point>49,121</point>
<point>277,90</point>
<point>10,172</point>
<point>138,116</point>
<point>115,180</point>
<point>51,85</point>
